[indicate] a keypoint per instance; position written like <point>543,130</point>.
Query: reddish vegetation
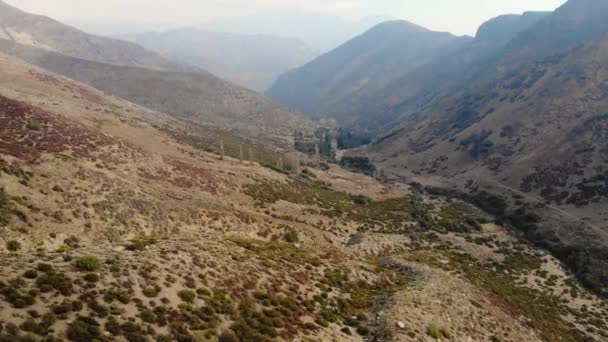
<point>188,176</point>
<point>27,131</point>
<point>68,87</point>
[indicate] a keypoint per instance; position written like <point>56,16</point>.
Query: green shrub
<point>187,295</point>
<point>54,280</point>
<point>437,332</point>
<point>88,264</point>
<point>84,329</point>
<point>34,125</point>
<point>91,277</point>
<point>228,336</point>
<point>151,291</point>
<point>140,243</point>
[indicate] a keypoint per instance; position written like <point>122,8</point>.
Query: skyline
<point>459,18</point>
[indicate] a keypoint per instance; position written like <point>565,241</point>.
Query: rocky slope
<point>252,61</point>
<point>117,225</point>
<point>532,132</point>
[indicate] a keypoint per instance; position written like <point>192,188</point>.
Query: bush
<point>46,268</point>
<point>437,332</point>
<point>13,246</point>
<point>54,280</point>
<point>292,236</point>
<point>151,291</point>
<point>228,336</point>
<point>84,329</point>
<point>30,274</point>
<point>141,242</point>
<point>88,264</point>
<point>34,125</point>
<point>91,277</point>
<point>187,295</point>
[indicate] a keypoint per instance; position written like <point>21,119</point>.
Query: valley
<point>146,199</point>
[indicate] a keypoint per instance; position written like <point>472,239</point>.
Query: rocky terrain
<point>139,203</point>
<point>117,225</point>
<point>532,134</point>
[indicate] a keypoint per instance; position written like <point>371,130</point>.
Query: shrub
<point>13,245</point>
<point>88,264</point>
<point>30,274</point>
<point>141,242</point>
<point>437,332</point>
<point>34,125</point>
<point>91,277</point>
<point>84,329</point>
<point>54,280</point>
<point>187,295</point>
<point>151,291</point>
<point>29,325</point>
<point>46,268</point>
<point>228,336</point>
<point>292,236</point>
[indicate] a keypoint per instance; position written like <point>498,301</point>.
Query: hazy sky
<point>456,16</point>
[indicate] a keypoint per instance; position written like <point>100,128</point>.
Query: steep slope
<point>114,230</point>
<point>332,83</point>
<point>253,61</point>
<point>537,131</point>
<point>199,97</point>
<point>45,33</point>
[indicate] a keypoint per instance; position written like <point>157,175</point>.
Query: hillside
<point>252,61</point>
<point>197,96</point>
<point>333,84</point>
<point>45,33</point>
<point>533,133</point>
<point>103,238</point>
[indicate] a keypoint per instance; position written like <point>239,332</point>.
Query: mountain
<point>253,61</point>
<point>332,84</point>
<point>197,96</point>
<point>528,127</point>
<point>115,226</point>
<point>48,34</point>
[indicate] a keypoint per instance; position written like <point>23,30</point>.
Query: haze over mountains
<point>253,61</point>
<point>435,188</point>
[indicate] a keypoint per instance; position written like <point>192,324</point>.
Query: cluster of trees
<point>321,143</point>
<point>348,139</point>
